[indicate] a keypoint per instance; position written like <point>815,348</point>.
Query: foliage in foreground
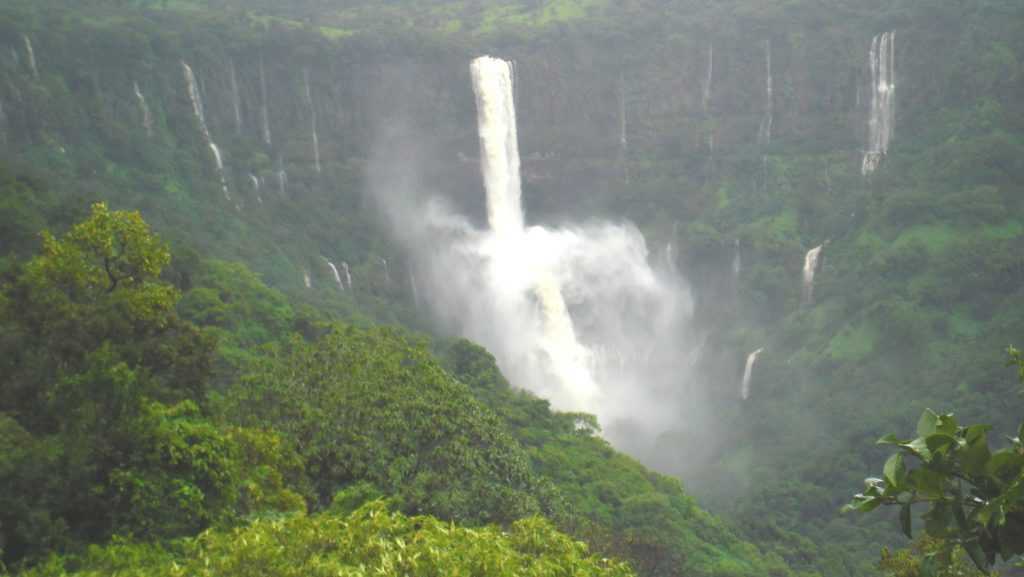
<point>371,541</point>
<point>975,496</point>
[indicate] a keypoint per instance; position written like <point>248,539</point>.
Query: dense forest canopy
<point>228,308</point>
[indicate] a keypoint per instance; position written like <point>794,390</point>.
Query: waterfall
<point>499,144</point>
<point>764,132</point>
<point>415,290</point>
<point>811,263</point>
<point>747,372</point>
<point>312,113</point>
<point>387,273</point>
<point>623,139</point>
<point>31,57</point>
<point>147,117</point>
<point>282,183</point>
<point>256,187</point>
<point>737,260</point>
<point>348,274</point>
<point>499,164</point>
<point>236,99</point>
<point>337,276</point>
<point>264,114</point>
<point>306,280</point>
<point>708,77</point>
<point>882,65</point>
<point>197,107</point>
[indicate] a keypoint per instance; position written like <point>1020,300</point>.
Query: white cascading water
<point>811,263</point>
<point>882,65</point>
<point>147,116</point>
<point>282,183</point>
<point>197,108</point>
<point>748,372</point>
<point>384,267</point>
<point>576,314</point>
<point>348,274</point>
<point>236,98</point>
<point>255,182</point>
<point>708,78</point>
<point>264,112</point>
<point>706,98</point>
<point>31,57</point>
<point>737,260</point>
<point>415,290</point>
<point>337,276</point>
<point>306,279</point>
<point>312,113</point>
<point>764,132</point>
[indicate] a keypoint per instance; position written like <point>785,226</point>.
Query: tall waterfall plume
<point>147,116</point>
<point>31,53</point>
<point>312,114</point>
<point>764,132</point>
<point>236,98</point>
<point>577,314</point>
<point>882,66</point>
<point>748,372</point>
<point>811,263</point>
<point>197,108</point>
<point>264,113</point>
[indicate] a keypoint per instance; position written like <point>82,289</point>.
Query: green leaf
<point>975,552</point>
<point>976,454</point>
<point>890,439</point>
<point>940,443</point>
<point>895,470</point>
<point>928,483</point>
<point>905,520</point>
<point>928,423</point>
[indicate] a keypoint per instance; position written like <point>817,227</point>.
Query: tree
<point>975,496</point>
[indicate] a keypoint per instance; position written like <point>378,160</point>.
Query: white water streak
<point>197,108</point>
<point>312,113</point>
<point>147,117</point>
<point>236,98</point>
<point>31,57</point>
<point>264,113</point>
<point>764,133</point>
<point>881,119</point>
<point>811,263</point>
<point>748,372</point>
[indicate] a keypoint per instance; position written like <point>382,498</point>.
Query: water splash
<point>197,108</point>
<point>31,56</point>
<point>147,116</point>
<point>576,314</point>
<point>811,263</point>
<point>882,65</point>
<point>748,372</point>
